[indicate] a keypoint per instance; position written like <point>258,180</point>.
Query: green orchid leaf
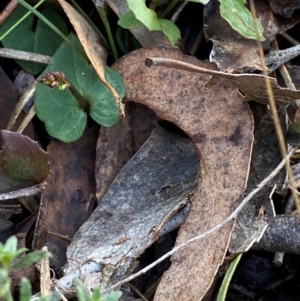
<point>170,30</point>
<point>29,37</point>
<point>129,21</point>
<point>144,14</point>
<point>64,118</point>
<point>240,18</point>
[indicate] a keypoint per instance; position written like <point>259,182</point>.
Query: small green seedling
<point>233,11</point>
<point>140,14</point>
<point>84,295</point>
<point>10,262</point>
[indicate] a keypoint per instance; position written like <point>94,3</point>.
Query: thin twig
<point>8,10</point>
<point>277,124</point>
<point>220,225</point>
<point>25,56</point>
<point>26,120</point>
<point>21,103</point>
<point>33,190</point>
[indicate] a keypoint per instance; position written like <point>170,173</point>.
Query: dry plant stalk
<point>274,113</point>
<point>8,10</point>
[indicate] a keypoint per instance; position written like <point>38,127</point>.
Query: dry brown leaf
<point>91,43</point>
<point>64,203</point>
<point>252,86</point>
<point>117,144</point>
<point>284,8</point>
<point>220,124</point>
<point>8,100</point>
<point>147,192</point>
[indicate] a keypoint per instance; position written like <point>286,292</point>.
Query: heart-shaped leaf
<point>60,110</point>
<point>22,162</point>
<point>40,39</point>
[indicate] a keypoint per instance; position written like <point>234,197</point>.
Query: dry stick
<point>21,103</point>
<point>26,120</point>
<point>274,112</point>
<point>8,10</point>
<point>25,56</point>
<point>289,38</point>
<point>33,190</point>
<point>178,11</point>
<point>218,226</point>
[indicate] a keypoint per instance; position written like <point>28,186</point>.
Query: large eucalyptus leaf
<point>37,38</point>
<point>64,118</point>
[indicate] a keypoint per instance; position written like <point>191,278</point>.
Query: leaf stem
<point>226,281</point>
<point>169,8</point>
<point>108,31</point>
<point>20,21</point>
<point>81,100</point>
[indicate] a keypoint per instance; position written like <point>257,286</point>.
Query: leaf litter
<point>223,138</point>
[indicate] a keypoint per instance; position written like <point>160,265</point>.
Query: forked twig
<point>218,226</point>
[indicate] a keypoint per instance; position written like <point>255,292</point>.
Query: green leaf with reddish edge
<point>39,38</point>
<point>23,159</point>
<point>64,118</point>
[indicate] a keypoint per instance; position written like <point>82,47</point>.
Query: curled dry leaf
<point>92,45</point>
<point>252,86</point>
<point>220,124</point>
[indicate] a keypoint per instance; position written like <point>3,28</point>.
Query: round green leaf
<point>60,110</point>
<point>29,37</point>
<point>64,118</point>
